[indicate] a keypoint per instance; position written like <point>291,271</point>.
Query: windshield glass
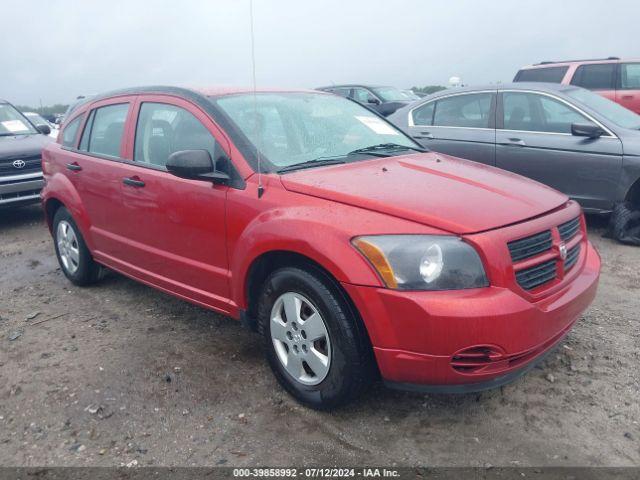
<point>391,94</point>
<point>610,110</point>
<point>292,128</point>
<point>35,118</point>
<point>12,122</point>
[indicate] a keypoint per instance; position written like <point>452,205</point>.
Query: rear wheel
<point>625,224</point>
<point>72,252</point>
<point>313,342</point>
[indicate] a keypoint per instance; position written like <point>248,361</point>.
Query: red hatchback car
<point>353,252</point>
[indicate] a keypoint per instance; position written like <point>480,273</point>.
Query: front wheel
<point>625,224</point>
<point>72,252</point>
<point>314,344</point>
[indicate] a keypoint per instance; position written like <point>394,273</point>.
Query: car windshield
<point>35,118</point>
<point>295,128</point>
<point>612,111</point>
<point>391,94</point>
<point>12,122</point>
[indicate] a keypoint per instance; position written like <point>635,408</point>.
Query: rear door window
<point>597,76</point>
<point>107,129</point>
<point>543,74</point>
<point>630,76</point>
<point>469,111</point>
<point>423,115</point>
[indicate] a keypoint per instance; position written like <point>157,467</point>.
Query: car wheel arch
<point>268,262</point>
<point>633,194</point>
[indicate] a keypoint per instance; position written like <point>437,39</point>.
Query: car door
<point>462,125</point>
<point>174,227</point>
<point>598,77</point>
<point>628,92</point>
<point>93,166</point>
<point>534,139</point>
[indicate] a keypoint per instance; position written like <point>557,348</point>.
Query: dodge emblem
<point>563,251</point>
<point>19,163</point>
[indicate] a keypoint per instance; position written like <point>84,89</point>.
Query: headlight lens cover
<point>423,262</point>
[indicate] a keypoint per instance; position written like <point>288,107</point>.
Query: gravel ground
<point>121,374</point>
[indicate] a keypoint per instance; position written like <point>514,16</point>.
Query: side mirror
<point>195,164</point>
<point>590,130</point>
<point>44,129</point>
<point>373,100</point>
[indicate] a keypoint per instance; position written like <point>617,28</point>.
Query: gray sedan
<point>564,136</point>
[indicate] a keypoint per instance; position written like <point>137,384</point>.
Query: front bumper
<point>20,189</point>
<point>417,335</point>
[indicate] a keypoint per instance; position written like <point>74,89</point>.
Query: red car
<point>613,78</point>
<point>352,251</point>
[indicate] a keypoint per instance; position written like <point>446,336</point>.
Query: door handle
<point>627,97</point>
<point>74,167</point>
<point>427,135</point>
<point>515,142</point>
<point>133,182</point>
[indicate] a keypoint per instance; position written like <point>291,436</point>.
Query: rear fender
<point>60,188</point>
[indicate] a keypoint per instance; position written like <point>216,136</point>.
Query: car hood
<point>437,190</point>
<point>22,145</point>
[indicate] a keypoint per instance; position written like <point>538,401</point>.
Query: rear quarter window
<point>597,76</point>
<point>70,132</point>
<point>543,74</point>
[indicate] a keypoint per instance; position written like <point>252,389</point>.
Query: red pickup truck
<point>354,253</point>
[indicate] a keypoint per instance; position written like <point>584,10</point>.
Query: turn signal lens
<point>378,260</point>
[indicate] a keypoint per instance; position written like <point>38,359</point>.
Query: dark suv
<point>21,145</point>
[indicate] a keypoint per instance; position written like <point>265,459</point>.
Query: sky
<point>55,50</point>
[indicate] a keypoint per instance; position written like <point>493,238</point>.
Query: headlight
<point>423,262</point>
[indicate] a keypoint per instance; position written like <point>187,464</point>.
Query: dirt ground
<point>121,374</point>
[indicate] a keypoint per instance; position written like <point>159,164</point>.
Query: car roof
<point>349,85</point>
<point>539,86</point>
<point>196,94</point>
<point>586,61</point>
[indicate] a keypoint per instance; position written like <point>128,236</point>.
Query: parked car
<point>20,157</point>
<point>613,78</point>
<point>38,121</point>
<point>384,100</point>
<point>326,228</point>
<point>563,136</point>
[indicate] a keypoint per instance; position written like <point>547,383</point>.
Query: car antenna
<point>255,102</point>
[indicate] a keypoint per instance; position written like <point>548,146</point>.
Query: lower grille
<point>533,277</point>
<point>572,257</point>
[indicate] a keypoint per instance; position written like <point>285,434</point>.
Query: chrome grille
<point>32,163</point>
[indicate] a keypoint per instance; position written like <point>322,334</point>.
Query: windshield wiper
<point>382,149</point>
<point>317,162</point>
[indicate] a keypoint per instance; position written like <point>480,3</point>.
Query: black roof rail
<point>547,62</point>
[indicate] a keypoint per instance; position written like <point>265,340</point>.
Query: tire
<point>625,224</point>
<point>74,257</point>
<point>350,363</point>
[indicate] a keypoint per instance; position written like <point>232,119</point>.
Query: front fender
<point>326,245</point>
